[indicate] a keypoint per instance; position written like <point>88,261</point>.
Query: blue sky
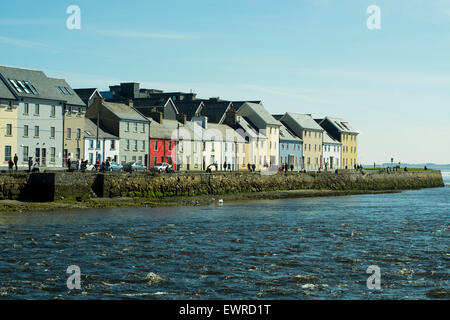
<point>310,56</point>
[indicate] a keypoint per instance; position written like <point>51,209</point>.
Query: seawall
<point>48,187</point>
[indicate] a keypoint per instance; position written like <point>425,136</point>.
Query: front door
<point>37,156</point>
<point>44,156</point>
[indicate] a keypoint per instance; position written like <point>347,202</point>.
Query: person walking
<point>69,163</point>
<point>249,167</point>
<point>16,160</point>
<point>10,165</point>
<point>253,167</point>
<point>30,163</point>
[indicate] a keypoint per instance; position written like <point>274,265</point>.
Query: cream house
<point>311,133</point>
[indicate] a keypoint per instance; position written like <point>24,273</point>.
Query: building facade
<point>304,127</point>
<point>331,153</point>
<point>342,131</point>
<point>291,149</point>
<point>128,124</point>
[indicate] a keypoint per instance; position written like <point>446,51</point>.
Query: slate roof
<point>305,121</point>
<point>227,133</point>
<point>287,135</point>
<point>47,88</point>
<point>124,112</point>
<point>258,111</point>
<point>86,93</point>
<point>145,106</point>
<point>188,107</point>
<point>327,139</point>
<point>90,129</point>
<point>165,129</point>
<point>215,110</point>
<point>341,125</point>
<point>5,93</point>
<point>249,129</point>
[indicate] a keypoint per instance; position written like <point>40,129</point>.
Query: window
<point>7,153</point>
<point>135,127</point>
<point>123,159</point>
<point>98,144</point>
<point>25,130</point>
<point>143,128</point>
<point>31,87</point>
<point>26,108</point>
<point>127,127</point>
<point>69,133</point>
<point>113,144</point>
<point>133,158</point>
<point>8,129</point>
<point>162,159</point>
<point>91,144</point>
<point>52,132</point>
<point>155,160</point>
<point>36,109</point>
<point>170,145</point>
<point>36,131</point>
<point>135,145</point>
<point>52,154</point>
<point>143,145</point>
<point>140,159</point>
<point>16,86</point>
<point>53,111</point>
<point>78,133</point>
<point>127,146</point>
<point>25,153</point>
<point>156,145</point>
<point>23,86</point>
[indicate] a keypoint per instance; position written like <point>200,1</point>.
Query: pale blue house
<point>291,149</point>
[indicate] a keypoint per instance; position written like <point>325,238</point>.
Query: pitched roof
<point>227,133</point>
<point>287,135</point>
<point>215,110</point>
<point>164,130</point>
<point>305,121</point>
<point>188,107</point>
<point>341,125</point>
<point>145,106</point>
<point>249,129</point>
<point>86,93</point>
<point>124,112</point>
<point>73,99</point>
<point>328,139</point>
<point>90,129</point>
<point>257,111</point>
<point>45,87</point>
<point>5,93</point>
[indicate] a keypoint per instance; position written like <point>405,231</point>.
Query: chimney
<point>130,103</point>
<point>230,118</point>
<point>181,117</point>
<point>201,120</point>
<point>156,115</point>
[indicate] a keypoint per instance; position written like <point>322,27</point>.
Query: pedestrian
<point>248,166</point>
<point>225,165</point>
<point>229,167</point>
<point>292,167</point>
<point>253,167</point>
<point>69,163</point>
<point>30,163</point>
<point>10,165</point>
<point>108,165</point>
<point>16,160</point>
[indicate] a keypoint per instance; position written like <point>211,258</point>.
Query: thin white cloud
<point>145,35</point>
<point>20,43</point>
<point>26,22</point>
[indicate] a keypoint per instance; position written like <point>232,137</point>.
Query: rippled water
<point>308,248</point>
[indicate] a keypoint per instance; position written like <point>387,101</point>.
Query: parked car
<point>134,166</point>
<point>163,167</point>
<point>114,166</point>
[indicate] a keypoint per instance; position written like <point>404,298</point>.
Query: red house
<point>163,144</point>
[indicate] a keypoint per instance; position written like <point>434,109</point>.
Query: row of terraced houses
<point>47,120</point>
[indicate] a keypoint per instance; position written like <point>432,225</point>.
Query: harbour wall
<point>56,186</point>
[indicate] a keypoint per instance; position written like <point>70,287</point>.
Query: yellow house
<point>342,131</point>
<point>8,131</point>
<point>8,125</point>
<point>305,127</point>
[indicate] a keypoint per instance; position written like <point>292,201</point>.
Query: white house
<point>107,147</point>
<point>331,152</point>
